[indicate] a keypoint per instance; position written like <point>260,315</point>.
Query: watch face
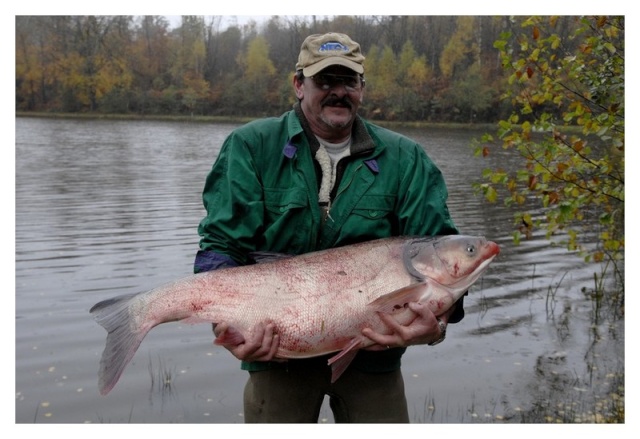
<point>443,332</point>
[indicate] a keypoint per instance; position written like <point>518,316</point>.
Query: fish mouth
<point>494,249</point>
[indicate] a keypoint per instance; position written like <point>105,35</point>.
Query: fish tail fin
<point>123,339</point>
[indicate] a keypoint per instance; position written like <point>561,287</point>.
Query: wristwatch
<point>443,333</point>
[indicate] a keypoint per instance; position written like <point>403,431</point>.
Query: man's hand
<point>424,329</point>
<point>261,345</point>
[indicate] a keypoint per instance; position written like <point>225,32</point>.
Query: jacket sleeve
<point>207,260</point>
<point>233,200</point>
<point>422,203</point>
<point>422,206</point>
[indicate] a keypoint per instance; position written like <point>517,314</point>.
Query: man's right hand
<point>261,345</point>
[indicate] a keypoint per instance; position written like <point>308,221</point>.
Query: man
<point>320,176</point>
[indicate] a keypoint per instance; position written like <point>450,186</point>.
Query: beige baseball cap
<point>321,51</point>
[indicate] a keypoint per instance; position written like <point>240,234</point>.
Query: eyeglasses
<point>326,81</point>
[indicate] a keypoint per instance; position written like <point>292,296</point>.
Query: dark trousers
<point>295,394</point>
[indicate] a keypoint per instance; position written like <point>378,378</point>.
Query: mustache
<point>335,100</point>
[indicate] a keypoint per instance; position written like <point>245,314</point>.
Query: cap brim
<point>332,61</point>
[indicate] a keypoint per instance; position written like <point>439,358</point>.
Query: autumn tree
<point>71,63</point>
<point>382,96</point>
<point>33,61</point>
<point>258,82</point>
<point>96,63</point>
<point>284,37</point>
<point>414,81</point>
<point>150,52</point>
<point>467,92</point>
<point>229,46</point>
<point>189,62</point>
<point>567,91</point>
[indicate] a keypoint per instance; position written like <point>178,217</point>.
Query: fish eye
<point>471,249</point>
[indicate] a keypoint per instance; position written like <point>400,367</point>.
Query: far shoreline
<point>238,119</point>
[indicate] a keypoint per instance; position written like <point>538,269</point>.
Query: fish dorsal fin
<point>394,300</point>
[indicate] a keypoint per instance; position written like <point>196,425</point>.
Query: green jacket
<point>262,195</point>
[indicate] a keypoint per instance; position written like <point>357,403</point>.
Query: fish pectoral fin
<point>395,300</point>
<point>343,359</point>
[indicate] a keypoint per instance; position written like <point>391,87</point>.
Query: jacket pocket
<point>287,221</point>
<point>280,201</point>
<point>374,207</point>
<point>373,217</point>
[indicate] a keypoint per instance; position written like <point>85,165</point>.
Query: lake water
<point>105,208</point>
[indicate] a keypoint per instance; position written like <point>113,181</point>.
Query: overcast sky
<point>228,20</point>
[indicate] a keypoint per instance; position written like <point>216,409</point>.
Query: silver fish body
<point>319,302</point>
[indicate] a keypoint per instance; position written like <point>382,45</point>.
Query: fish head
<point>453,261</point>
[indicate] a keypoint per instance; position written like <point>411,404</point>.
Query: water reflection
<point>106,208</point>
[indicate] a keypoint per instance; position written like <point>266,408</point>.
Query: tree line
<point>418,68</point>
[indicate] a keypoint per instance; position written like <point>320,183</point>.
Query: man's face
<point>330,100</point>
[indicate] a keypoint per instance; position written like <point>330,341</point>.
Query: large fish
<point>319,302</point>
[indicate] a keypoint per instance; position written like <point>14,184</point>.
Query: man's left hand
<point>424,329</point>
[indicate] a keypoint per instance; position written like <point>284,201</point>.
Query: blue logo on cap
<point>333,46</point>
